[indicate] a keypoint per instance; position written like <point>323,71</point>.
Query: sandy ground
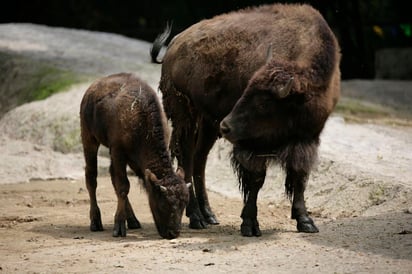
<point>360,193</point>
<point>44,228</point>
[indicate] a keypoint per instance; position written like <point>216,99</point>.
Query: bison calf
<point>123,113</point>
<point>266,79</point>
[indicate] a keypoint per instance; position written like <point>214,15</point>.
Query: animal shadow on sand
<point>228,234</point>
<point>389,235</point>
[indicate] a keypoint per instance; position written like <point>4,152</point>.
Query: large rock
<point>36,60</point>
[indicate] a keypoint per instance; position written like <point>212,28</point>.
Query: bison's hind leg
<point>185,147</point>
<point>206,137</point>
<point>132,221</point>
<point>180,110</point>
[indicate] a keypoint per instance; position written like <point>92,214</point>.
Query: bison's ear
<point>284,90</point>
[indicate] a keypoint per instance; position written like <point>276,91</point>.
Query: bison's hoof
<point>250,227</point>
<point>209,216</point>
<point>197,221</point>
<point>306,224</point>
<point>133,223</point>
<point>96,225</point>
<point>212,220</point>
<point>119,229</point>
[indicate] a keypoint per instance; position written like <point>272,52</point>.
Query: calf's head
<point>168,198</point>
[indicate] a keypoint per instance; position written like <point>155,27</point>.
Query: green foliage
<point>347,106</point>
<point>49,81</point>
<point>66,140</point>
<point>24,79</point>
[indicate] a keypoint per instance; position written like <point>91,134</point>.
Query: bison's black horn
<point>269,53</point>
<point>284,91</point>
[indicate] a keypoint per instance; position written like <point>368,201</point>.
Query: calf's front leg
<point>121,185</point>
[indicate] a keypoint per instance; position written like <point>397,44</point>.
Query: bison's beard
<point>255,155</point>
<point>298,156</point>
<point>248,159</point>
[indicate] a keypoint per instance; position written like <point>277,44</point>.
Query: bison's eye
<point>261,107</point>
<point>262,103</point>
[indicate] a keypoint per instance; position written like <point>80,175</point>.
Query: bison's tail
<point>159,43</point>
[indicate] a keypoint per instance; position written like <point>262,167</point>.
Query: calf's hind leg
<point>90,148</point>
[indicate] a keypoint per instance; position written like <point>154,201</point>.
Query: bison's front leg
<point>296,183</point>
<point>251,183</point>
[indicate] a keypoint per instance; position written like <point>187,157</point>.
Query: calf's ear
<point>153,183</point>
<point>150,176</point>
<point>180,172</point>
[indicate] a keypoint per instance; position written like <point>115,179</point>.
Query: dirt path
<point>44,228</point>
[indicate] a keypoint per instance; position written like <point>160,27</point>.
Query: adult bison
<point>123,113</point>
<point>266,79</point>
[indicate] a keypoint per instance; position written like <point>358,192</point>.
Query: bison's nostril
<point>224,128</point>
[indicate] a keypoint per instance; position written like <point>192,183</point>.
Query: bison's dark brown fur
<point>123,113</point>
<point>217,79</point>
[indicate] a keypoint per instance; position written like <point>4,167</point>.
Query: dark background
<point>362,27</point>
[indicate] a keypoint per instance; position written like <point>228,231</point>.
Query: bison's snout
<point>224,128</point>
<point>227,131</point>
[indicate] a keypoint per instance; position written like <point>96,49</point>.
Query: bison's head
<point>262,114</point>
<point>168,198</point>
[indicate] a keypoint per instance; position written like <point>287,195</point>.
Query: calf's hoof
<point>133,223</point>
<point>306,224</point>
<point>250,227</point>
<point>119,229</point>
<point>96,225</point>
